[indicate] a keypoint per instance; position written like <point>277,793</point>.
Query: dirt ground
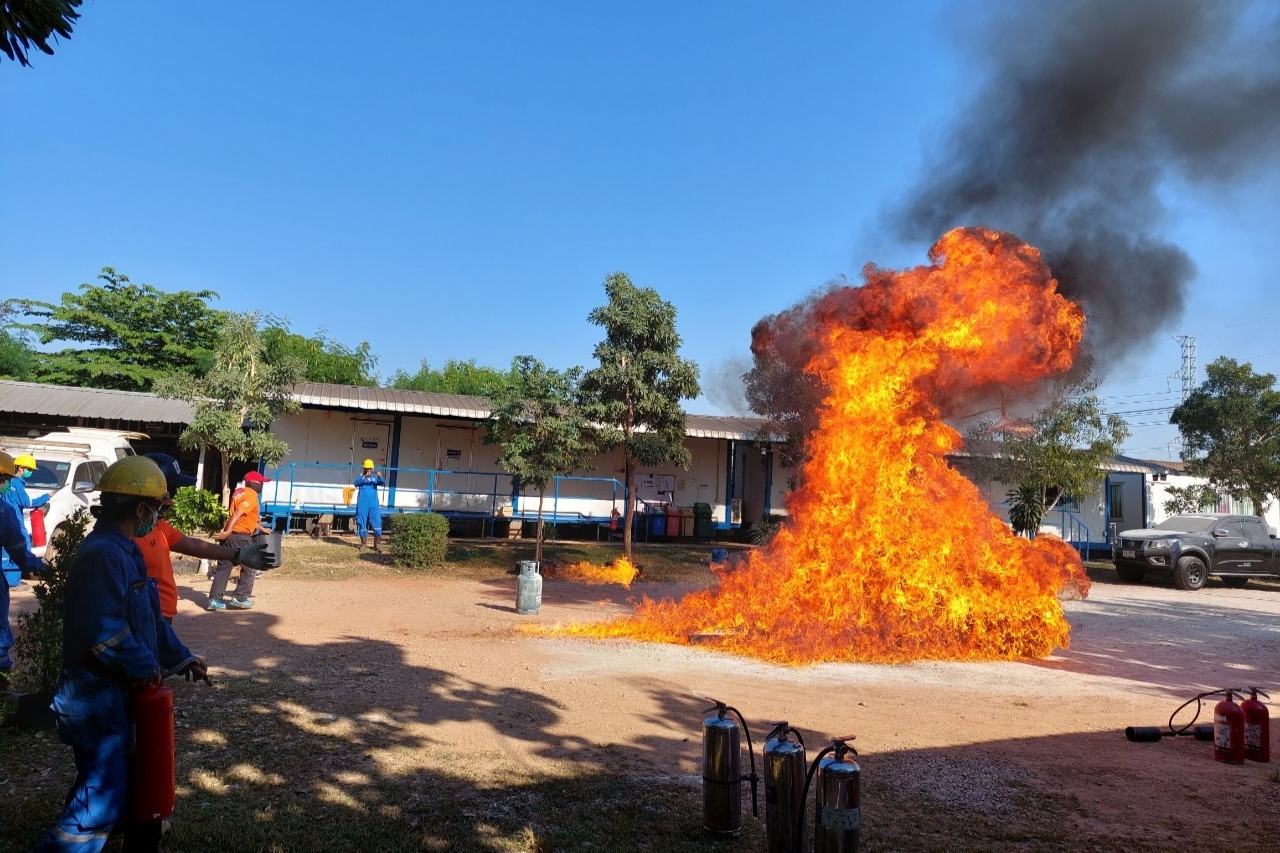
<point>445,658</point>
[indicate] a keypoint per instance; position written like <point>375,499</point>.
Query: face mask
<point>4,486</point>
<point>147,526</point>
<point>26,474</point>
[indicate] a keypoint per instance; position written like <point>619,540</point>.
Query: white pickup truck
<point>69,463</point>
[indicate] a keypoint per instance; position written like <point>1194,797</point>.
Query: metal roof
<point>57,400</point>
<point>353,398</point>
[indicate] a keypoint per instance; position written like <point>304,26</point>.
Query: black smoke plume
<point>1082,113</point>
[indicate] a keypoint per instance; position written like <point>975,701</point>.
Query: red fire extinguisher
<point>1257,727</point>
<point>151,770</point>
<point>1228,730</point>
<point>38,536</point>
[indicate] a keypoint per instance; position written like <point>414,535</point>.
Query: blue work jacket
<point>13,538</point>
<point>17,495</point>
<point>112,626</point>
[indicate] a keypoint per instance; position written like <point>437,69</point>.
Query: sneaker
<point>240,603</point>
<point>215,605</point>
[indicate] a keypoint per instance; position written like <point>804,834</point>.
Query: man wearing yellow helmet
<point>17,494</point>
<point>368,514</point>
<point>13,540</point>
<point>113,640</point>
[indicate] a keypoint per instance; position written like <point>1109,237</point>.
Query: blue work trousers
<point>91,718</point>
<point>368,515</point>
<point>6,633</point>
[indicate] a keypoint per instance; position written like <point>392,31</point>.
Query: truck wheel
<point>1189,574</point>
<point>1130,574</point>
<point>1235,583</point>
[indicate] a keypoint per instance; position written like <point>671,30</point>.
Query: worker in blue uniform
<point>368,513</point>
<point>14,543</point>
<point>113,640</point>
<point>17,494</point>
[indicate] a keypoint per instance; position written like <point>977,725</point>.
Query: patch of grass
<point>339,558</point>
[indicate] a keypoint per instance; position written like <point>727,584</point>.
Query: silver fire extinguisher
<point>837,817</point>
<point>784,772</point>
<point>722,770</point>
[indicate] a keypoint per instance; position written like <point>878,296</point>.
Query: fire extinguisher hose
<point>752,778</point>
<point>1139,734</point>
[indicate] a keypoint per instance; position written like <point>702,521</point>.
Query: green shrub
<point>197,511</point>
<point>420,540</point>
<point>37,654</point>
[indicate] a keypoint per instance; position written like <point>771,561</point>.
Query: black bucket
<point>274,543</point>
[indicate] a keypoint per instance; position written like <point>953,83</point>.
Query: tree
<point>537,418</point>
<point>457,377</point>
<point>1230,429</point>
<point>636,391</point>
<point>324,359</point>
<point>17,361</point>
<point>25,24</point>
<point>238,398</point>
<point>125,335</point>
<point>1190,499</point>
<point>1061,451</point>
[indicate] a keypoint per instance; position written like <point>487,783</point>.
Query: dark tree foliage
<point>123,336</point>
<point>25,24</point>
<point>17,361</point>
<point>325,359</point>
<point>1230,429</point>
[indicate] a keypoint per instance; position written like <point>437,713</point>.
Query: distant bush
<point>197,511</point>
<point>420,540</point>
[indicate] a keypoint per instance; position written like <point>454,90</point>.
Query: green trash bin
<point>702,521</point>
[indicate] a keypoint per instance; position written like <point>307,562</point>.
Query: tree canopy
<point>324,359</point>
<point>1230,429</point>
<point>1060,451</point>
<point>123,336</point>
<point>238,398</point>
<point>16,358</point>
<point>456,377</point>
<point>25,24</point>
<point>537,418</point>
<point>636,390</point>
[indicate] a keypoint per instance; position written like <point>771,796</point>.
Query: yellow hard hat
<point>135,476</point>
<point>7,468</point>
<point>26,460</point>
<point>368,463</point>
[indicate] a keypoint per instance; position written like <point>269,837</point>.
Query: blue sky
<point>456,180</point>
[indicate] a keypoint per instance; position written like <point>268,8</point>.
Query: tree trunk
<point>628,477</point>
<point>537,539</point>
<point>226,479</point>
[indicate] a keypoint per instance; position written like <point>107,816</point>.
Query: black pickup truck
<point>1233,548</point>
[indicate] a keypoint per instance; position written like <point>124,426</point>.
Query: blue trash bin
<point>659,527</point>
<point>719,555</point>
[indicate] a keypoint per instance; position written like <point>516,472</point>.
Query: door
<point>1232,550</point>
<point>370,440</point>
<point>455,460</point>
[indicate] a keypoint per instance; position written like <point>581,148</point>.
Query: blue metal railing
<point>311,488</point>
<point>1074,531</point>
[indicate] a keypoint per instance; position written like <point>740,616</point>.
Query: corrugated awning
<point>59,401</point>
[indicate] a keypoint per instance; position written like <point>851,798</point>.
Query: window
<point>1115,501</point>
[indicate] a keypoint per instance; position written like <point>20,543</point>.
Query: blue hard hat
<point>172,472</point>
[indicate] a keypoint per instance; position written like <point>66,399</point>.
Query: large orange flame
<point>889,553</point>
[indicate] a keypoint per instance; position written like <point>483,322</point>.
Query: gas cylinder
<point>784,772</point>
<point>38,535</point>
<point>1228,730</point>
<point>151,771</point>
<point>837,818</point>
<point>1257,727</point>
<point>722,770</point>
<point>528,588</point>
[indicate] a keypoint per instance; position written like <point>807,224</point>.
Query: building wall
<point>443,464</point>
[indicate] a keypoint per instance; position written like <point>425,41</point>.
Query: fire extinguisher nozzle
<point>1143,734</point>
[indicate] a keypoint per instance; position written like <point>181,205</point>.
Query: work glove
<point>253,556</point>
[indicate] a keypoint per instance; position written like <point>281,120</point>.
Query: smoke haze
<point>1086,109</point>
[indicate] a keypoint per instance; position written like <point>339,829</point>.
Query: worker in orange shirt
<point>164,537</point>
<point>245,520</point>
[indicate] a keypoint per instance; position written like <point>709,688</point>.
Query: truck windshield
<point>48,475</point>
<point>1188,524</point>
